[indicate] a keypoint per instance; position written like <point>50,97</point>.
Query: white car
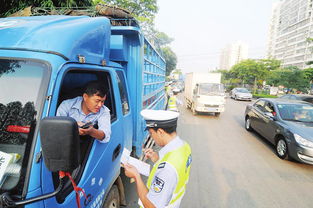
<point>241,94</point>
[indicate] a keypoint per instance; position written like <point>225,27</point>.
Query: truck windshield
<point>211,89</point>
<point>20,86</point>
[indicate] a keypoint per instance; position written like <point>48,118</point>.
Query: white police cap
<point>160,118</point>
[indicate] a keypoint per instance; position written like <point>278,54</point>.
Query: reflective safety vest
<point>168,89</point>
<point>180,159</point>
<point>172,103</point>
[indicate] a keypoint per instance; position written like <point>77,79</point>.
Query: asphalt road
<point>235,168</point>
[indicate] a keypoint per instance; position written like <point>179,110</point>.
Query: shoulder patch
<point>188,163</point>
<point>161,165</point>
<point>157,185</point>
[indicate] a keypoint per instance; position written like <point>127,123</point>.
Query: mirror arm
<point>6,201</point>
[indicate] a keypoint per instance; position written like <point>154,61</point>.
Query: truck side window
<point>73,85</point>
<point>123,92</point>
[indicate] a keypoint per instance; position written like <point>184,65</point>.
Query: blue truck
<point>47,59</point>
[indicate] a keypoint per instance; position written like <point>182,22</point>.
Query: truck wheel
<point>187,106</point>
<point>194,112</point>
<point>217,114</point>
<point>113,198</point>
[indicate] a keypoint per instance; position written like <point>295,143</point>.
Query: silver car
<point>241,94</point>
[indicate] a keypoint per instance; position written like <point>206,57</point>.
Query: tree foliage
<point>308,74</point>
<point>162,39</point>
<point>143,10</point>
<point>170,58</point>
<point>270,64</point>
<point>290,77</point>
<point>250,70</point>
<point>12,6</point>
<point>254,72</point>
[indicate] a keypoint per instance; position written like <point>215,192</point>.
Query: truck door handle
<point>116,152</point>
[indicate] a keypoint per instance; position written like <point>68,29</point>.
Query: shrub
<point>264,96</point>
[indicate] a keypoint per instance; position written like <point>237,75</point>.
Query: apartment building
<point>233,54</point>
<point>290,27</point>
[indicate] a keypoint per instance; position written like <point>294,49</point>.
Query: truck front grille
<point>211,106</point>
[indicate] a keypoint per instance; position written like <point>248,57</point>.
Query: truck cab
<point>47,59</point>
<point>209,97</point>
<point>204,92</point>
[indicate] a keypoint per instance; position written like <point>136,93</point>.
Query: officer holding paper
<point>167,181</point>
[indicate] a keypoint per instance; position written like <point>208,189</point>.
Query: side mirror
<point>60,147</point>
<point>60,143</point>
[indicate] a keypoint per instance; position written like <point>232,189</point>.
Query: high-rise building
<point>290,27</point>
<point>233,54</point>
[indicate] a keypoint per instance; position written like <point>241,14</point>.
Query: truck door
<point>125,108</point>
<point>99,166</point>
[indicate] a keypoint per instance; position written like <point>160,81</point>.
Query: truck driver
<point>88,110</point>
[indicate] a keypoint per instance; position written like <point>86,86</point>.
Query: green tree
<point>161,38</point>
<point>143,10</point>
<point>227,76</point>
<point>294,78</point>
<point>308,74</point>
<point>274,77</point>
<point>250,72</point>
<point>170,59</point>
<point>12,6</point>
<point>271,64</point>
<point>290,77</point>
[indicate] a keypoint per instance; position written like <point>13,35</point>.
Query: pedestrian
<point>168,178</point>
<point>89,111</point>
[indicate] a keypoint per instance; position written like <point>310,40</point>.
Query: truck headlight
<point>303,141</point>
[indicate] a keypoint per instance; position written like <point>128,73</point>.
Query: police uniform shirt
<point>72,108</point>
<point>165,178</point>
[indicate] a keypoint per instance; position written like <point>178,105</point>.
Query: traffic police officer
<point>173,101</point>
<point>168,90</point>
<point>167,181</point>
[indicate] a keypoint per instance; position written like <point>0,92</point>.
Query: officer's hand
<point>152,155</point>
<point>131,171</point>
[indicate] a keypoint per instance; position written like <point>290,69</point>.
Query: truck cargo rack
<point>117,16</point>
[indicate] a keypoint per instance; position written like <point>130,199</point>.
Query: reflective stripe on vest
<point>180,159</point>
<point>172,103</point>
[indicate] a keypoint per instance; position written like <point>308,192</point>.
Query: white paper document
<point>142,167</point>
<point>5,160</point>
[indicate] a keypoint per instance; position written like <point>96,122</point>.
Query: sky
<point>201,28</point>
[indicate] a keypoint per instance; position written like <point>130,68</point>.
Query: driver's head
<point>94,96</point>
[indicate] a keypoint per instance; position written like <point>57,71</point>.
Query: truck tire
<point>194,112</point>
<point>186,105</point>
<point>217,114</point>
<point>113,198</point>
